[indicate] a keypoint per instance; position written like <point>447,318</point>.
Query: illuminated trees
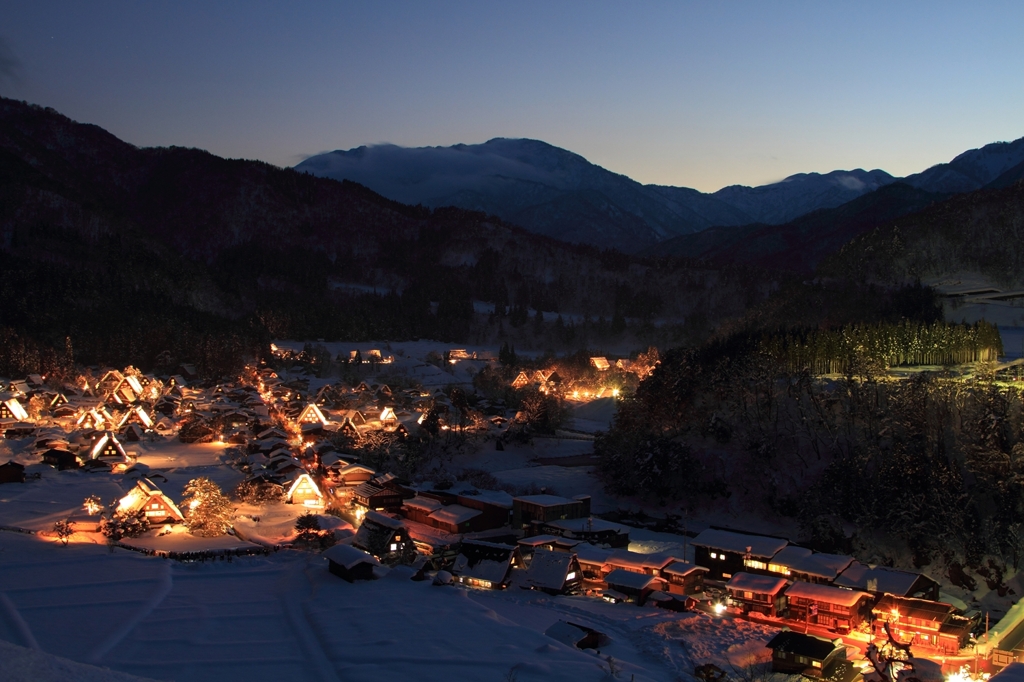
<point>207,510</point>
<point>123,524</point>
<point>64,530</point>
<point>92,505</point>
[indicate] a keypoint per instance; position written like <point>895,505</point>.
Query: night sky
<point>695,94</point>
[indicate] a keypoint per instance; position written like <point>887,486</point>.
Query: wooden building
<point>684,577</point>
<point>635,587</point>
<point>61,459</point>
<point>375,497</point>
<point>11,409</point>
<point>350,563</point>
<point>552,572</point>
<point>923,623</point>
<point>754,593</point>
<point>304,491</point>
<point>527,509</point>
<point>12,472</point>
<point>880,580</point>
<point>381,535</point>
<point>596,531</point>
<point>146,496</point>
<point>795,653</point>
<point>834,608</point>
<point>486,564</point>
<point>727,553</point>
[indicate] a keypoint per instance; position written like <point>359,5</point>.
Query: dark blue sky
<point>696,94</point>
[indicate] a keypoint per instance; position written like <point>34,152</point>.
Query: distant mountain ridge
<point>560,194</point>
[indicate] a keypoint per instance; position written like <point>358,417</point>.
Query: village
<point>280,459</point>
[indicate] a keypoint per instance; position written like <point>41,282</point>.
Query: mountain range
<point>554,192</point>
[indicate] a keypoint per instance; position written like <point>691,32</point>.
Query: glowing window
<point>394,547</point>
<point>714,555</point>
<point>571,576</point>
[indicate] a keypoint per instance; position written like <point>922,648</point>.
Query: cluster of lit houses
<point>481,538</point>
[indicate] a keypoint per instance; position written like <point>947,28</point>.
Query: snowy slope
<point>971,170</point>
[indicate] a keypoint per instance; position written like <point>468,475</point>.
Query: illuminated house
<point>311,414</point>
<point>629,586</point>
<point>109,381</point>
<point>148,497</point>
<point>832,607</point>
<point>750,592</point>
<point>725,553</point>
<point>136,415</point>
<point>522,380</point>
<point>684,577</point>
<point>11,409</point>
<point>922,623</point>
<point>388,419</point>
<point>486,564</point>
<point>552,572</point>
<point>304,491</point>
<point>600,363</point>
<point>93,419</point>
<point>108,446</point>
<point>381,535</point>
<point>798,654</point>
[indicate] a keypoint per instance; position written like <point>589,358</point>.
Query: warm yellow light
<point>615,393</point>
<point>719,608</point>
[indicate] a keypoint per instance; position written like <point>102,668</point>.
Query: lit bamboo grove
<point>830,351</point>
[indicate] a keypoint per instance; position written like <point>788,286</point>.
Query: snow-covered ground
<point>285,616</point>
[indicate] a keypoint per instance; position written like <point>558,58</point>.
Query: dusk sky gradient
<point>693,94</point>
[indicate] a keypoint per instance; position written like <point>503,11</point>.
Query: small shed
<point>579,636</point>
<point>349,563</point>
<point>12,472</point>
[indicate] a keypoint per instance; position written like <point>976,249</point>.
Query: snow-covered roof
<point>820,565</point>
<point>544,500</point>
<point>790,554</point>
<point>547,570</point>
<point>538,540</point>
<point>424,504</point>
<point>752,582</point>
<point>625,558</point>
<point>760,545</point>
<point>384,520</point>
<point>348,556</point>
<point>623,578</point>
<point>825,593</point>
<point>495,497</point>
<point>455,514</point>
<point>591,554</point>
<point>587,524</point>
<point>682,568</point>
<point>877,579</point>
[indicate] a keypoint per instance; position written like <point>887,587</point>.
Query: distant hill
<point>974,169</point>
<point>801,243</point>
<point>124,252</point>
<point>981,231</point>
<point>554,192</point>
<point>560,194</point>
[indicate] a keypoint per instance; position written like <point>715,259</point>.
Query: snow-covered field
<point>286,617</point>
